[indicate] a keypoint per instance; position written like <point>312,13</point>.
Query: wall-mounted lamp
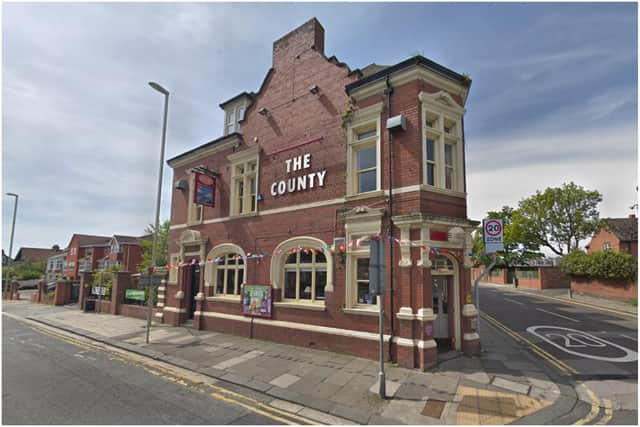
<point>181,185</point>
<point>314,89</point>
<point>263,111</point>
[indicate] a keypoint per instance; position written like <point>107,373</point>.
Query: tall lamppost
<point>13,228</point>
<point>154,248</point>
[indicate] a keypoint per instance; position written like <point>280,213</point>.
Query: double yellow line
<point>557,363</point>
<point>187,381</point>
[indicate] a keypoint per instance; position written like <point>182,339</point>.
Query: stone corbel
<point>469,310</point>
<point>405,246</point>
<point>424,261</point>
<point>199,296</point>
<point>468,248</point>
<point>179,295</point>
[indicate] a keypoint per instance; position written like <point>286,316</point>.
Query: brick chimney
<point>309,35</point>
<point>632,216</point>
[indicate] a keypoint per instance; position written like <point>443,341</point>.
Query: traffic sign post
<point>377,276</point>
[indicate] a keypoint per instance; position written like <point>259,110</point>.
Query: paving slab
<point>391,387</point>
<point>478,377</point>
<point>510,385</point>
<point>284,380</point>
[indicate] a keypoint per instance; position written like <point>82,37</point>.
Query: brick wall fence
<point>532,278</point>
<point>616,289</point>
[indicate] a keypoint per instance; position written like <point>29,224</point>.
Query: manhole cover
<point>433,408</point>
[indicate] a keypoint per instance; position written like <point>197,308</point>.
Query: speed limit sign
<point>492,231</point>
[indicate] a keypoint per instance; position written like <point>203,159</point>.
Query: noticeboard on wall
<point>257,300</point>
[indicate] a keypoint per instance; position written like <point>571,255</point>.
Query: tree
<point>26,270</point>
<point>560,217</point>
<point>519,244</point>
<point>147,246</point>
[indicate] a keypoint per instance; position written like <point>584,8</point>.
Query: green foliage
<point>559,218</point>
<point>105,278</point>
<point>519,244</point>
<point>27,270</point>
<point>606,265</point>
<point>163,248</point>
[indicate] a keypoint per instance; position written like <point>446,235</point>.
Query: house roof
<point>377,72</point>
<point>249,95</point>
<point>625,229</point>
<point>204,146</point>
<point>35,254</point>
<point>130,240</point>
<point>90,240</point>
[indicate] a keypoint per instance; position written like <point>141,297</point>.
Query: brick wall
<point>616,289</point>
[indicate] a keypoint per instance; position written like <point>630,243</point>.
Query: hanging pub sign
<point>257,300</point>
<point>205,191</point>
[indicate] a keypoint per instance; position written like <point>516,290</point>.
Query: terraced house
<point>307,169</point>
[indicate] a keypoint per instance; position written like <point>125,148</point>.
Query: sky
<point>553,99</point>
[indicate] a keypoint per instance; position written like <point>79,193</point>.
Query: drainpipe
<point>388,91</point>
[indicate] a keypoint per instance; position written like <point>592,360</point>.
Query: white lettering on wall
<point>300,182</point>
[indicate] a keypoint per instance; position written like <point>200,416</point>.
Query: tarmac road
<point>595,344</point>
<point>47,380</point>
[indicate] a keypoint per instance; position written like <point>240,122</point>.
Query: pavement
<point>505,384</point>
<point>592,345</point>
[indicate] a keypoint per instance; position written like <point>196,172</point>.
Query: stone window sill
<point>362,311</point>
<point>301,305</point>
<point>229,299</point>
<point>367,195</point>
<point>425,187</point>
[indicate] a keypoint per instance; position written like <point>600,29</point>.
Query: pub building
<point>302,173</point>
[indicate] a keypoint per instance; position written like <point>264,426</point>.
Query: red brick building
<point>304,168</point>
<point>83,253</point>
<point>616,234</point>
<point>123,251</point>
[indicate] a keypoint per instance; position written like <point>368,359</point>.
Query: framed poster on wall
<point>205,191</point>
<point>257,300</point>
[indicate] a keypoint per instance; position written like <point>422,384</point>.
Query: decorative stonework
<point>179,295</point>
<point>426,315</point>
<point>199,296</point>
<point>405,313</point>
<point>469,310</point>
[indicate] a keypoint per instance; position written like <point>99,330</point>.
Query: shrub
<point>606,265</point>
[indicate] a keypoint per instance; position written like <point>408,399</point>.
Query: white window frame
<point>314,266</point>
<point>245,159</point>
<point>233,114</point>
<point>195,212</point>
<point>361,121</point>
<point>174,260</point>
<point>443,112</point>
<point>356,230</point>
<point>211,271</point>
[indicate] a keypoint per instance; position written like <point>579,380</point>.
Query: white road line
<point>631,338</point>
<point>514,301</point>
<point>559,315</point>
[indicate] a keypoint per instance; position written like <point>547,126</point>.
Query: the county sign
<point>492,231</point>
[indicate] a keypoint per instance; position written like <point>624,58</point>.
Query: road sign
<point>493,237</point>
<point>376,268</point>
<point>146,279</point>
<point>134,294</point>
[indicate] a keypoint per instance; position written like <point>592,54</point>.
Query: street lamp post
<point>154,249</point>
<point>13,228</point>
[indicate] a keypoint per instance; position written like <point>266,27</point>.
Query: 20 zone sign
<point>492,235</point>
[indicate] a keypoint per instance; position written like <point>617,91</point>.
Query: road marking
<point>631,338</point>
<point>595,407</point>
<point>514,301</point>
<point>556,314</point>
<point>608,412</point>
<point>575,338</point>
<point>166,373</point>
<point>558,364</point>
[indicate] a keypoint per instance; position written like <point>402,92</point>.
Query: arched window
<point>302,269</point>
<point>225,270</point>
<point>305,275</point>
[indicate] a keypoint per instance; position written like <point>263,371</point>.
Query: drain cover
<point>433,408</point>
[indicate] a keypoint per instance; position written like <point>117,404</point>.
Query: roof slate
<point>625,229</point>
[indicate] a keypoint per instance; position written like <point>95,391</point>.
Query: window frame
<point>238,265</point>
<point>363,121</point>
<point>195,212</point>
<point>211,272</point>
<point>314,266</point>
<point>444,114</point>
<point>244,159</point>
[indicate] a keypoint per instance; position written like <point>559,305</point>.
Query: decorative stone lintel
<point>469,310</point>
<point>471,337</point>
<point>404,262</point>
<point>199,296</point>
<point>426,315</point>
<point>180,295</point>
<point>405,313</point>
<point>160,304</point>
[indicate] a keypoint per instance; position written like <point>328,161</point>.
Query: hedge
<point>606,265</point>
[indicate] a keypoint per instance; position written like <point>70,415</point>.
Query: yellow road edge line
<point>169,375</point>
<point>250,408</point>
<point>563,367</point>
<point>608,412</point>
<point>595,407</point>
